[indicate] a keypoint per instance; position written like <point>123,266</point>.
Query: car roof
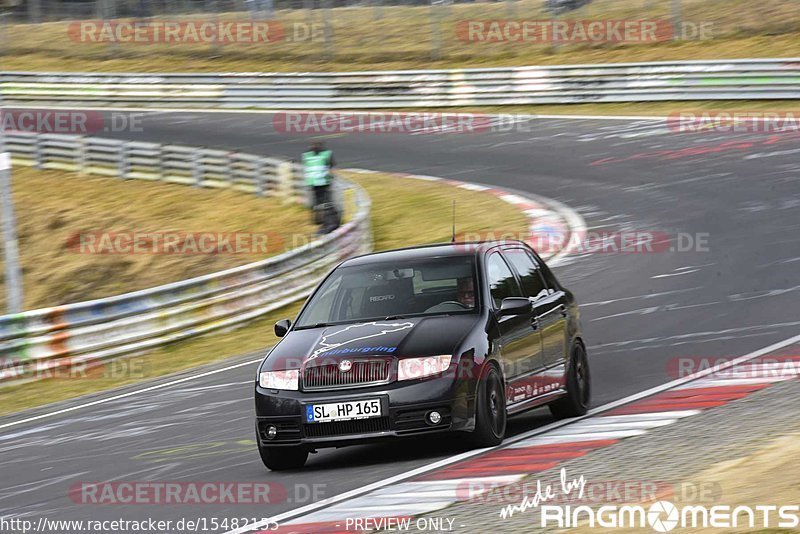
<point>435,250</point>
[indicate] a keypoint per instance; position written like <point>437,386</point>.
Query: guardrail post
<point>160,162</point>
<point>259,177</point>
<point>13,271</point>
<point>436,28</point>
<point>285,175</point>
<point>327,29</point>
<point>677,20</point>
<point>80,158</point>
<point>122,166</point>
<point>229,156</point>
<point>197,167</point>
<point>37,152</point>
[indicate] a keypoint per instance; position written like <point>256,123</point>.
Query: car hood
<point>412,337</point>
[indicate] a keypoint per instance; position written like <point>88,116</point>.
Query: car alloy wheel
<point>576,402</point>
<point>490,412</point>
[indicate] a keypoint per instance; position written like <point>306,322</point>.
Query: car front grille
<point>363,372</point>
<point>343,428</point>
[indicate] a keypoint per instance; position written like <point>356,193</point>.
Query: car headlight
<point>279,379</point>
<point>411,368</point>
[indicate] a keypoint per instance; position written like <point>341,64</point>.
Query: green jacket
<point>317,167</point>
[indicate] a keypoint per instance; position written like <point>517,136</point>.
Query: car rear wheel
<point>490,412</point>
<point>576,402</point>
<point>282,458</point>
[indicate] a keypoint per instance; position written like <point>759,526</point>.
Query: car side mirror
<point>514,306</point>
<point>282,327</point>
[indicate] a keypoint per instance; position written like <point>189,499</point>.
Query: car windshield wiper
<point>316,325</point>
<point>416,315</point>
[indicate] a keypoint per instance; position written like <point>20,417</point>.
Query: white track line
<point>304,510</point>
<point>576,226</point>
<point>352,112</point>
<point>128,394</point>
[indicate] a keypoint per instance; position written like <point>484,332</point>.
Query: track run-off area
<point>725,287</point>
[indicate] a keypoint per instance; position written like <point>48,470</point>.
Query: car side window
<point>529,274</point>
<point>502,283</point>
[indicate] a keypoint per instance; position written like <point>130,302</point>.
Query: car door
<point>549,304</point>
<point>521,342</point>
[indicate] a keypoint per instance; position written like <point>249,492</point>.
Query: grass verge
<point>768,476</point>
<point>404,37</point>
<point>55,208</point>
<point>405,212</point>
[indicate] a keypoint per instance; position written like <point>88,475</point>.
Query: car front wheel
<point>490,412</point>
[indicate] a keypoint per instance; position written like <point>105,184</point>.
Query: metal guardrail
<point>201,167</point>
<point>623,82</point>
<point>87,333</point>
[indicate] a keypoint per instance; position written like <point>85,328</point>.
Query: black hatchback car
<point>440,338</point>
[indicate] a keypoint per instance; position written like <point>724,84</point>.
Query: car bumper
<point>404,410</point>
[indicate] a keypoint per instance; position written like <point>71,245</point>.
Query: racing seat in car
<point>394,297</point>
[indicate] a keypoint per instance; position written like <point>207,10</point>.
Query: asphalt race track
<point>739,192</point>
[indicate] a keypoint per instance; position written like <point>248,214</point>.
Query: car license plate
<point>343,411</point>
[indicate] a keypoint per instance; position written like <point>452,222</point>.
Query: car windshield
<point>412,288</point>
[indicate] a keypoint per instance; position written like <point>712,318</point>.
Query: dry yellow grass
<point>52,207</point>
<point>405,212</point>
<point>409,211</point>
<point>768,476</point>
<point>403,38</point>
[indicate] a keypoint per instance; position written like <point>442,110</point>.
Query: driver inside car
<point>465,298</point>
<point>466,292</point>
